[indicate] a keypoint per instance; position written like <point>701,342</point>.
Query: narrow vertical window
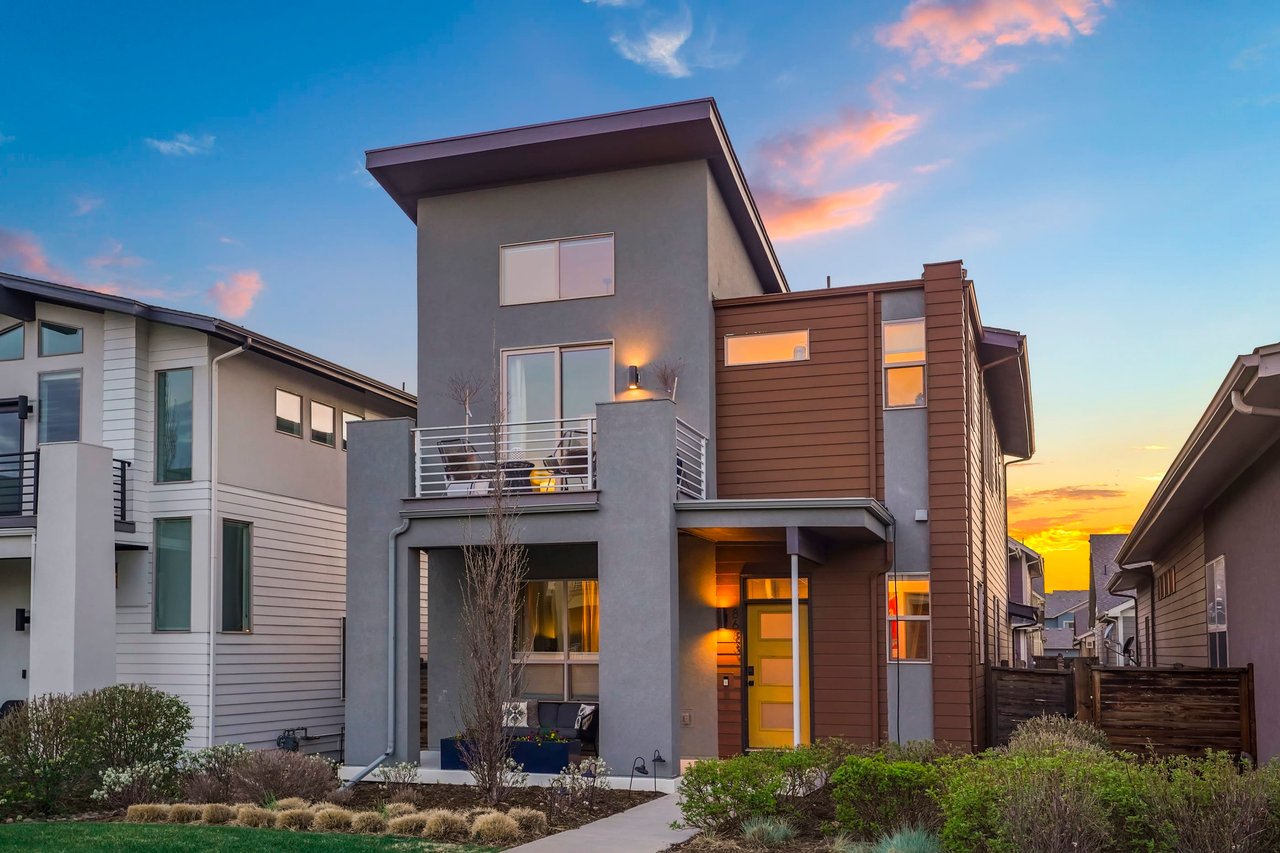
<point>12,343</point>
<point>288,413</point>
<point>1215,574</point>
<point>172,593</point>
<point>323,428</point>
<point>237,582</point>
<point>347,420</point>
<point>907,600</point>
<point>904,362</point>
<point>173,425</point>
<point>57,339</point>
<point>59,417</point>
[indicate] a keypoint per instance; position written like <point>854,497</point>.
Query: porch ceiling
<point>767,520</point>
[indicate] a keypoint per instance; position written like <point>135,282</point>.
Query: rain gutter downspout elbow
<point>1238,403</point>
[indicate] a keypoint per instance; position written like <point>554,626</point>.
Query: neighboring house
<point>172,493</point>
<point>592,259</point>
<point>1066,616</point>
<point>1112,625</point>
<point>1026,604</point>
<point>1203,551</point>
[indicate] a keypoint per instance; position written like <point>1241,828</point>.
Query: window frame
<point>348,420</point>
<point>557,241</point>
<point>890,619</point>
<point>40,324</point>
<point>808,347</point>
<point>40,418</point>
<point>302,427</point>
<point>155,573</point>
<point>886,367</point>
<point>156,432</point>
<point>558,351</point>
<point>21,328</point>
<point>567,658</point>
<point>311,426</point>
<point>246,582</point>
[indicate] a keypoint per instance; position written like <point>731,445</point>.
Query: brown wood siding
<point>800,429</point>
<point>1181,618</point>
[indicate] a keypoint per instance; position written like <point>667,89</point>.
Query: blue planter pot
<point>546,757</point>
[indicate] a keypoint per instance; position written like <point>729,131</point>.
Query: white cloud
<point>86,204</point>
<point>182,145</point>
<point>658,48</point>
<point>615,4</point>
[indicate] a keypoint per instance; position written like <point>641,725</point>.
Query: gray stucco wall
<point>697,697</point>
<point>1241,527</point>
<point>906,476</point>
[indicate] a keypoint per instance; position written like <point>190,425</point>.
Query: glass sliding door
<point>11,460</point>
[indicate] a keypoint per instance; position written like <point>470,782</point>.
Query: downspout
<point>1238,403</point>
<point>391,658</point>
<point>878,621</point>
<point>213,519</point>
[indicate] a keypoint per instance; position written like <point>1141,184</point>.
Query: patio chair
<point>464,470</point>
<point>571,457</point>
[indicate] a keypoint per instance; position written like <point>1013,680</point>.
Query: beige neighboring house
<point>172,512</point>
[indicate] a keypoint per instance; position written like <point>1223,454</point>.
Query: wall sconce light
<point>724,618</point>
<point>633,376</point>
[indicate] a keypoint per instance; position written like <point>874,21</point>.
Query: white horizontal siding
<point>286,673</point>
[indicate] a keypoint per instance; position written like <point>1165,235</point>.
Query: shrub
<point>184,813</point>
<point>576,788</point>
<point>1050,734</point>
<point>331,820</point>
<point>296,819</point>
<point>275,774</point>
<point>290,803</point>
<point>717,795</point>
<point>1209,805</point>
<point>399,809</point>
<point>409,824</point>
<point>767,831</point>
<point>532,822</point>
<point>141,783</point>
<point>399,780</point>
<point>255,816</point>
<point>207,773</point>
<point>445,825</point>
<point>147,813</point>
<point>909,841</point>
<point>495,828</point>
<point>216,813</point>
<point>368,822</point>
<point>874,796</point>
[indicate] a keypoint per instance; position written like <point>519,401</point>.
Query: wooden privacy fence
<point>1179,711</point>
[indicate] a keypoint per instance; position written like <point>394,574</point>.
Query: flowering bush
<point>577,787</point>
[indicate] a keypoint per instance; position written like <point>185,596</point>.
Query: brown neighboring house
<point>1201,558</point>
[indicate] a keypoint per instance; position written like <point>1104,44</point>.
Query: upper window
<point>172,607</point>
<point>347,419</point>
<point>766,347</point>
<point>57,339</point>
<point>323,427</point>
<point>908,617</point>
<point>59,414</point>
<point>556,269</point>
<point>12,341</point>
<point>288,413</point>
<point>904,361</point>
<point>1216,573</point>
<point>173,425</point>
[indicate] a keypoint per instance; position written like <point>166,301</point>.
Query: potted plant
<point>538,752</point>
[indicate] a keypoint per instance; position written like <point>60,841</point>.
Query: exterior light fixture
<point>637,766</point>
<point>633,376</point>
<point>724,618</point>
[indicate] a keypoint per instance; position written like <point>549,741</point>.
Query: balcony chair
<point>571,458</point>
<point>464,470</point>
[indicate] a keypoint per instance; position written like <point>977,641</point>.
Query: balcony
<point>532,458</point>
<point>20,486</point>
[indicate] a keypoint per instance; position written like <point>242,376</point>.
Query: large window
<point>57,339</point>
<point>904,362</point>
<point>59,417</point>
<point>12,342</point>
<point>288,413</point>
<point>237,583</point>
<point>766,348</point>
<point>347,420</point>
<point>556,269</point>
<point>323,427</point>
<point>551,383</point>
<point>908,617</point>
<point>1215,574</point>
<point>173,425</point>
<point>172,594</point>
<point>560,629</point>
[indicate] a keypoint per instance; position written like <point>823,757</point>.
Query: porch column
<point>73,595</point>
<point>639,585</point>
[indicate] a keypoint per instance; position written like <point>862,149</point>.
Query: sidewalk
<point>643,829</point>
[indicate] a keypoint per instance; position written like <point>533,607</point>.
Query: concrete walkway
<point>643,829</point>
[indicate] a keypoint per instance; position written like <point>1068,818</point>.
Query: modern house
<point>754,516</point>
<point>1025,604</point>
<point>1113,624</point>
<point>1066,616</point>
<point>172,511</point>
<point>1204,549</point>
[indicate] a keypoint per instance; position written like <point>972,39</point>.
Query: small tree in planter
<point>668,374</point>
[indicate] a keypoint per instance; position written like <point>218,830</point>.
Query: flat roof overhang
<point>835,520</point>
<point>652,136</point>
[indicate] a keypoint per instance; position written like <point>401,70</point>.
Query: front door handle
<point>751,682</point>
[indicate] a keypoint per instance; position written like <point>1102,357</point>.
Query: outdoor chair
<point>571,458</point>
<point>464,470</point>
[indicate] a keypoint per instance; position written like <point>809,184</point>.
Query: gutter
<point>391,658</point>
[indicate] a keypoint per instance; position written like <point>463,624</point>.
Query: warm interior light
<point>542,480</point>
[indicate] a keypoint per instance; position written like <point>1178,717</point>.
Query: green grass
<point>223,839</point>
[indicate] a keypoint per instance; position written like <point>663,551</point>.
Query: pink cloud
<point>790,215</point>
<point>804,155</point>
<point>27,255</point>
<point>234,296</point>
<point>115,258</point>
<point>962,32</point>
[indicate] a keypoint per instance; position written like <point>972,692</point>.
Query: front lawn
<point>83,835</point>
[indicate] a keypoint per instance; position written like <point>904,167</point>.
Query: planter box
<point>547,757</point>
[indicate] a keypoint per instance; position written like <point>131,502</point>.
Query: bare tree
<point>464,389</point>
<point>668,374</point>
<point>493,577</point>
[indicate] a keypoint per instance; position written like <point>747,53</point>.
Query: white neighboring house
<point>172,511</point>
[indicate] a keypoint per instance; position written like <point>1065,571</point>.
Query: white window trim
<point>191,570</point>
<point>808,348</point>
<point>40,324</point>
<point>613,287</point>
<point>885,367</point>
<point>155,379</point>
<point>566,658</point>
<point>302,410</point>
<point>889,620</point>
<point>558,350</point>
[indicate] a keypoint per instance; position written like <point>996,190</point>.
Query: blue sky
<point>1108,172</point>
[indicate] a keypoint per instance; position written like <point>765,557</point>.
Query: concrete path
<point>643,829</point>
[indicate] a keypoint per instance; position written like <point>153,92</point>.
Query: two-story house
<point>172,511</point>
<point>1026,604</point>
<point>754,516</point>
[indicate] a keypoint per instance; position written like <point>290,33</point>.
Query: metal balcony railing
<point>530,457</point>
<point>691,462</point>
<point>120,488</point>
<point>19,483</point>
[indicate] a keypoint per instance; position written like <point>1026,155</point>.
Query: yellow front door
<point>769,675</point>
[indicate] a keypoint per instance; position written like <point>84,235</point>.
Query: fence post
<point>1080,672</point>
<point>993,712</point>
<point>1248,725</point>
